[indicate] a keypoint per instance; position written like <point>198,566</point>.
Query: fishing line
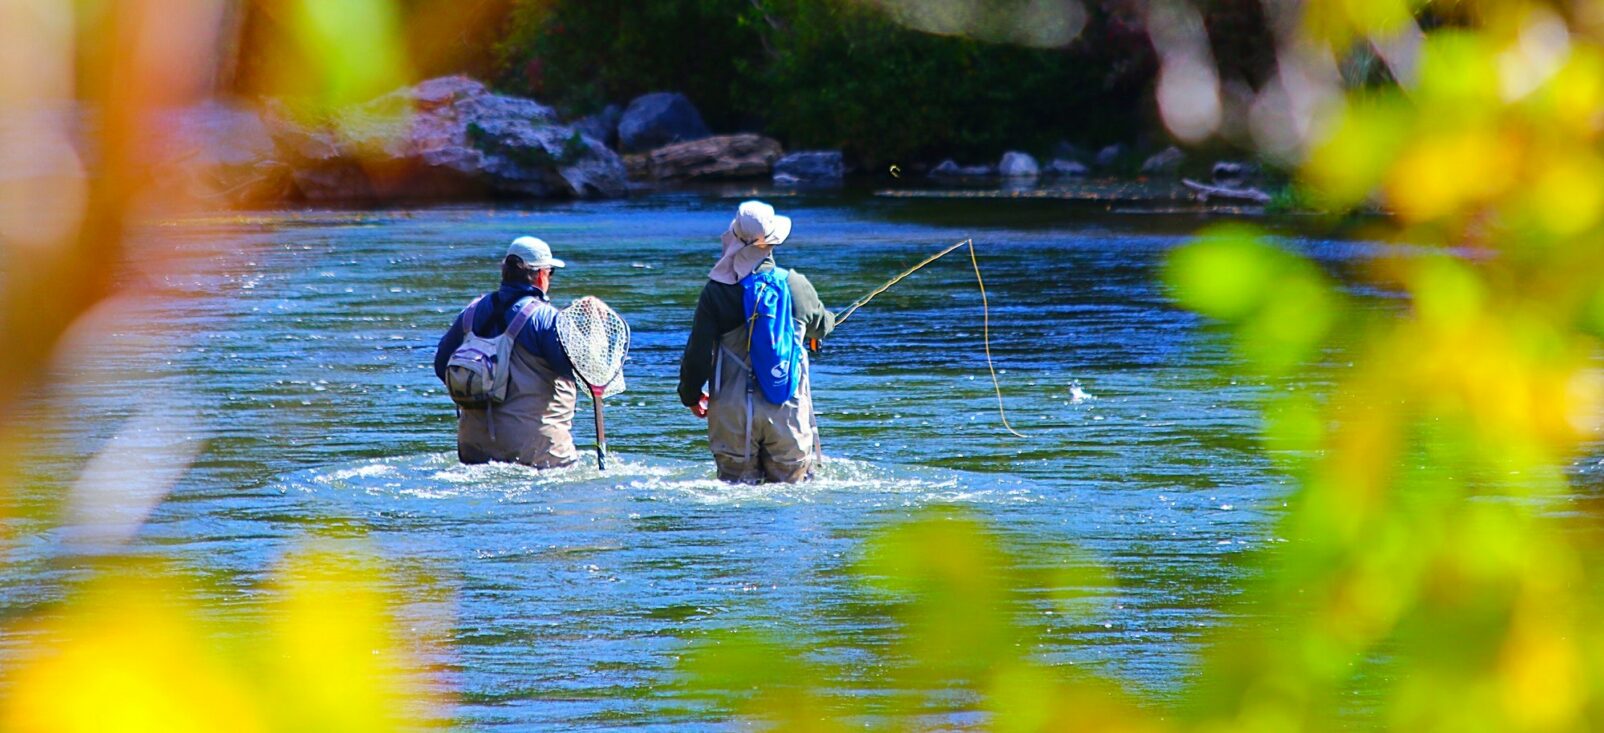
<point>985,316</point>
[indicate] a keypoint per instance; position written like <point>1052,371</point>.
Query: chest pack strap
<point>519,318</point>
<point>467,316</point>
<point>525,312</point>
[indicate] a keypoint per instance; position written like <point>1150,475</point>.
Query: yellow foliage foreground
<point>1439,573</point>
<point>133,652</point>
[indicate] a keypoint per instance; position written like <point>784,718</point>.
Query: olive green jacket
<point>721,310</point>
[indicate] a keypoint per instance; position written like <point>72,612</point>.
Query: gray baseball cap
<point>534,252</point>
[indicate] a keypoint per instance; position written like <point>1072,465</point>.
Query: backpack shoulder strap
<point>526,310</point>
<point>468,314</point>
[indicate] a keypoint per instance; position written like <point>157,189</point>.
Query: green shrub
<point>581,55</point>
<point>845,76</point>
<point>826,73</point>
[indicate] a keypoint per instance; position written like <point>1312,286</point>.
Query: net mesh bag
<point>596,340</point>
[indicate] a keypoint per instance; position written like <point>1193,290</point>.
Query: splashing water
<point>394,482</point>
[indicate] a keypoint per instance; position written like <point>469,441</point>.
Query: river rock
<point>945,169</point>
<point>1066,169</point>
<point>216,131</point>
<point>1166,162</point>
<point>1232,173</point>
<point>444,138</point>
<point>810,168</point>
<point>216,150</point>
<point>722,157</point>
<point>602,126</point>
<point>44,141</point>
<point>1066,150</point>
<point>950,169</point>
<point>1110,156</point>
<point>659,119</point>
<point>1017,165</point>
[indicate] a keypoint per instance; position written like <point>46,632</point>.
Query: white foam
<point>438,476</point>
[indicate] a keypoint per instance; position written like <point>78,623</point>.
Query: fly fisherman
<point>746,345</point>
<point>515,394</point>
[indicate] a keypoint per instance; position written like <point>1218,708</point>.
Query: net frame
<point>596,340</point>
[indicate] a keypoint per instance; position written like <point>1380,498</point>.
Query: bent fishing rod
<point>985,317</point>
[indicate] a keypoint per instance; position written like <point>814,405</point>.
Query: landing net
<point>596,340</point>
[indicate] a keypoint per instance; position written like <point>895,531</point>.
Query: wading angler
<point>746,345</point>
<point>503,365</point>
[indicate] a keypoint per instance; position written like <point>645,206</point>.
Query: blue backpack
<point>772,341</point>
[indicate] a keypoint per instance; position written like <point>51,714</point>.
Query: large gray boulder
<point>217,149</point>
<point>603,125</point>
<point>444,138</point>
<point>215,131</point>
<point>724,157</point>
<point>659,119</point>
<point>1018,165</point>
<point>810,168</point>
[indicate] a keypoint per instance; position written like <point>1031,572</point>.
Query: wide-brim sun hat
<point>535,253</point>
<point>756,219</point>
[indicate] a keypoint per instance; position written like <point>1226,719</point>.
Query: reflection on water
<point>302,359</point>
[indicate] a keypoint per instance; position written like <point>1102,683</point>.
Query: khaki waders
<point>532,426</point>
<point>752,439</point>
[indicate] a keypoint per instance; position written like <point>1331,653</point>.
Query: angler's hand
<point>700,408</point>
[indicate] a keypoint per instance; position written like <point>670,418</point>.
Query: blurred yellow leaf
<point>1338,21</point>
<point>1442,175</point>
<point>760,676</point>
<point>1346,165</point>
<point>1574,97</point>
<point>335,654</point>
<point>1458,74</point>
<point>1293,429</point>
<point>1568,194</point>
<point>129,656</point>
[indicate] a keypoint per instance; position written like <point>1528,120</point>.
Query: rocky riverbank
<point>452,138</point>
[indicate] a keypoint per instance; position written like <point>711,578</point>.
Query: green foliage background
<point>830,74</point>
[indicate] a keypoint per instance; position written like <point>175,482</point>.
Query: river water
<point>297,347</point>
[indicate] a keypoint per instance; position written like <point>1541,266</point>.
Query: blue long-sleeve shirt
<point>492,317</point>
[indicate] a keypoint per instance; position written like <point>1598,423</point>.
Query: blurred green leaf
<point>1224,274</point>
<point>1281,305</point>
<point>350,51</point>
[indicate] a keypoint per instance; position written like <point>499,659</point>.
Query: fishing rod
<point>985,315</point>
<point>859,303</point>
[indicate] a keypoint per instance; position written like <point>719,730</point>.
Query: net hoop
<point>596,340</point>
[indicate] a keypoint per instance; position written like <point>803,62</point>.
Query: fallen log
<point>1204,192</point>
